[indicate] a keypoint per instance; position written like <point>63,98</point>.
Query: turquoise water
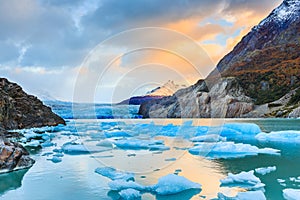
<point>74,177</point>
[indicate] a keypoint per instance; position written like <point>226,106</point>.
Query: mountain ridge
<point>264,67</point>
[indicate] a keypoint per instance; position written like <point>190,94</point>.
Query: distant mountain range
<point>260,77</point>
<point>167,89</point>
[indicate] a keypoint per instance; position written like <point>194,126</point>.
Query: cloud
<point>48,39</point>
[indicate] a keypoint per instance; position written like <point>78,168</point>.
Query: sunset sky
<point>48,45</point>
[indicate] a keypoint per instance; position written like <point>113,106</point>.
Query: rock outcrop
<point>13,156</point>
<point>225,99</point>
<point>19,110</point>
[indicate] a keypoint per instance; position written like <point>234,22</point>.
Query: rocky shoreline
<point>19,110</point>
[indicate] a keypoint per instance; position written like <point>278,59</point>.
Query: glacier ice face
<point>292,137</point>
<point>229,150</point>
<point>244,179</point>
<point>172,184</point>
<point>265,170</point>
<point>130,194</point>
<point>291,194</point>
<point>114,174</point>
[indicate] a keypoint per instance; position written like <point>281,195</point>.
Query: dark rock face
<point>225,99</point>
<point>19,110</point>
<point>13,156</point>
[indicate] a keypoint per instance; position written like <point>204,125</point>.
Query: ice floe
<point>166,185</point>
<point>291,137</point>
<point>265,170</point>
<point>249,195</point>
<point>291,194</point>
<point>173,184</point>
<point>136,144</point>
<point>208,138</point>
<point>229,150</point>
<point>244,179</point>
<point>114,174</point>
<point>130,194</point>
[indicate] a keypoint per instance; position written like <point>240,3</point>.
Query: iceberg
<point>173,184</point>
<point>291,194</point>
<point>229,150</point>
<point>121,184</point>
<point>244,179</point>
<point>55,159</point>
<point>291,137</point>
<point>130,194</point>
<point>265,170</point>
<point>257,195</point>
<point>33,143</point>
<point>113,174</point>
<point>117,133</point>
<point>208,138</point>
<point>139,144</point>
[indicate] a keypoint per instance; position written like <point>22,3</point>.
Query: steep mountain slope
<point>264,67</point>
<point>266,61</point>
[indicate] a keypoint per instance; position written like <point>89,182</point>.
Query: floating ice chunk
<point>257,195</point>
<point>208,138</point>
<point>117,133</point>
<point>244,179</point>
<point>244,128</point>
<point>137,144</point>
<point>158,147</point>
<point>130,194</point>
<point>291,194</point>
<point>229,150</point>
<point>33,143</point>
<point>170,159</point>
<point>265,170</point>
<point>74,148</point>
<point>295,179</point>
<point>121,184</point>
<point>55,159</point>
<point>47,144</point>
<point>113,174</point>
<point>173,184</point>
<point>47,154</point>
<point>280,137</point>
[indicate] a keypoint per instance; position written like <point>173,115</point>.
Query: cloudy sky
<point>102,50</point>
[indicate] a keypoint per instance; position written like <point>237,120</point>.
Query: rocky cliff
<point>19,110</point>
<point>260,76</point>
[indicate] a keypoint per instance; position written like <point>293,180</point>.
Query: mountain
<point>260,77</point>
<point>167,89</point>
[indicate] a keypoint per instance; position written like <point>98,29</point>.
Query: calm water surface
<point>74,177</point>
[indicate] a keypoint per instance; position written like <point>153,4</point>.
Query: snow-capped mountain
<point>260,76</point>
<point>168,89</point>
<point>266,61</point>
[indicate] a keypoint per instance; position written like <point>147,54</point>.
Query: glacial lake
<point>75,178</point>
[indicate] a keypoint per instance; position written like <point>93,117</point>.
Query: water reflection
<point>11,181</point>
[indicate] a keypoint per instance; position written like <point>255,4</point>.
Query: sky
<point>108,50</point>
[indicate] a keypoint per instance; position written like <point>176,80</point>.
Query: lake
<point>74,177</point>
